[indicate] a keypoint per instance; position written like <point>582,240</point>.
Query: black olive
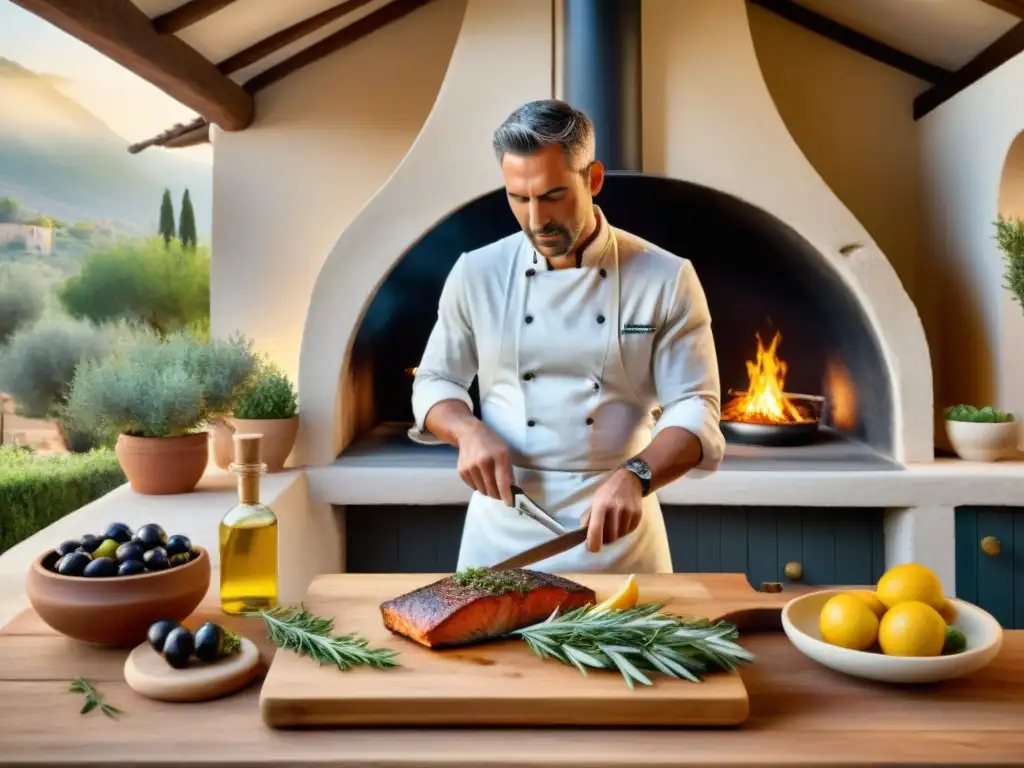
<point>68,546</point>
<point>178,544</point>
<point>149,536</point>
<point>179,559</point>
<point>158,632</point>
<point>129,551</point>
<point>194,554</point>
<point>101,567</point>
<point>178,647</point>
<point>214,642</point>
<point>73,563</point>
<point>119,532</point>
<point>156,559</point>
<point>90,543</point>
<point>131,568</point>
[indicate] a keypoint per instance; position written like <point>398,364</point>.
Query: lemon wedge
<point>624,599</point>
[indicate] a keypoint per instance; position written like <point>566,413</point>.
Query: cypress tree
<point>187,222</point>
<point>167,217</point>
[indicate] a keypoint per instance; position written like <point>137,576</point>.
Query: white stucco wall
<point>965,144</point>
<point>324,141</point>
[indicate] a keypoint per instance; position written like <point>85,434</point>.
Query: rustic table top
<point>801,714</point>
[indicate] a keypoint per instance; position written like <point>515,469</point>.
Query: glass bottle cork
<point>248,538</point>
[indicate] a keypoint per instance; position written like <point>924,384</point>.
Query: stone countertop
<point>311,537</point>
<point>801,714</point>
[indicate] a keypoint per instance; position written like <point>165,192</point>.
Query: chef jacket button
<point>531,423</point>
<point>531,272</point>
<point>600,318</point>
<point>528,319</point>
<point>604,272</point>
<point>597,386</point>
<point>527,377</point>
<point>589,421</point>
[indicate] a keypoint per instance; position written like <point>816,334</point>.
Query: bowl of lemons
<point>904,631</point>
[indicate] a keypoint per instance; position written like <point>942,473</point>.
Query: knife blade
<point>544,550</point>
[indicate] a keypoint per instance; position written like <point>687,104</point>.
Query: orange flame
<point>765,401</point>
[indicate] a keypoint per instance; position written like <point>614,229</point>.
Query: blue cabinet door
<point>832,545</point>
<point>989,562</point>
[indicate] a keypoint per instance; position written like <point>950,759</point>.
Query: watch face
<point>640,467</point>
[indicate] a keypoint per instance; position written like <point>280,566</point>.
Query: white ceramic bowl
<point>984,639</point>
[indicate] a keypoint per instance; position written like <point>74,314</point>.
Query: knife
<point>564,541</point>
<point>549,548</point>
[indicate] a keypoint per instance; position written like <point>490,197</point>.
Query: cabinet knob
<point>990,546</point>
<point>794,571</point>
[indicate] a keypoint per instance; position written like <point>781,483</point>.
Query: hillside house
<point>28,236</point>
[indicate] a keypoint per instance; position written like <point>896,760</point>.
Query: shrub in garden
<point>165,286</point>
<point>37,489</point>
<point>22,299</point>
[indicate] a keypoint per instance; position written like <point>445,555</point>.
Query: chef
<point>578,332</point>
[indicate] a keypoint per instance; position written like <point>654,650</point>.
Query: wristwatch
<point>642,470</point>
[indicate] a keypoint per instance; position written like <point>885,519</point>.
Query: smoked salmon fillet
<point>480,604</point>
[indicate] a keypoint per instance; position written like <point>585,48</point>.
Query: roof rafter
<point>187,14</point>
<point>123,33</point>
<point>855,41</point>
<point>1001,51</point>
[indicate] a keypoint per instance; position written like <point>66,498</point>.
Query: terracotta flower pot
<point>278,438</point>
<point>158,466</point>
<point>221,434</point>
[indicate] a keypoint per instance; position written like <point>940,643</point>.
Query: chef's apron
<point>561,400</point>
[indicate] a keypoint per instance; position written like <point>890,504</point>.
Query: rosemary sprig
<point>295,629</point>
<point>93,698</point>
<point>636,640</point>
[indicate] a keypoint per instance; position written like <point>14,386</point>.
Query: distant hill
<point>58,158</point>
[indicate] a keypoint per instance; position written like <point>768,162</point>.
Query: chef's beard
<point>555,248</point>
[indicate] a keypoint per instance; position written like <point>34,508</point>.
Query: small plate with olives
<point>110,588</point>
<point>176,664</point>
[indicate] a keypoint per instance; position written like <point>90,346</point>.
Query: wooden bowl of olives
<point>110,589</point>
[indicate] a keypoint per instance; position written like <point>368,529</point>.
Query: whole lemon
<point>910,582</point>
<point>948,612</point>
<point>847,621</point>
<point>912,629</point>
<point>870,599</point>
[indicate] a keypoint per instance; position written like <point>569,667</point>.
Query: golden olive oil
<point>248,538</point>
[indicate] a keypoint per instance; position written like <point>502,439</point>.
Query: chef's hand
<point>615,511</point>
<point>485,463</point>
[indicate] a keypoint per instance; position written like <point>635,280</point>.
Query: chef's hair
<point>544,123</point>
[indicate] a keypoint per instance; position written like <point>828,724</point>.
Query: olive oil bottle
<point>248,538</point>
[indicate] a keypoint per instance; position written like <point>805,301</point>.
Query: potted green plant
<point>267,405</point>
<point>156,395</point>
<point>982,434</point>
<point>1010,240</point>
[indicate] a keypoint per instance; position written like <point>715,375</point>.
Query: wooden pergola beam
<point>120,31</point>
<point>357,30</point>
<point>855,41</point>
<point>1014,7</point>
<point>184,16</point>
<point>268,45</point>
<point>997,54</point>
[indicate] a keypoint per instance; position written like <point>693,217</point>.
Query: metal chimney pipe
<point>602,75</point>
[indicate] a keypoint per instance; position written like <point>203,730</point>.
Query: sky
<point>132,107</point>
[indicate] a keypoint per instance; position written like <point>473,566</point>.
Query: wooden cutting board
<point>504,683</point>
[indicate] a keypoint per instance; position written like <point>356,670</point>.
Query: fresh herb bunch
<point>1010,239</point>
<point>636,640</point>
<point>295,629</point>
<point>93,698</point>
<point>269,395</point>
<point>491,581</point>
<point>986,415</point>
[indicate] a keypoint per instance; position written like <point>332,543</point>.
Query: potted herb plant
<point>982,434</point>
<point>156,395</point>
<point>268,406</point>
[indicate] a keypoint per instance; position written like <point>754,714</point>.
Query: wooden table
<point>801,714</point>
